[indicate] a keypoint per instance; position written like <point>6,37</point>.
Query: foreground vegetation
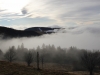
<point>7,68</point>
<point>49,60</point>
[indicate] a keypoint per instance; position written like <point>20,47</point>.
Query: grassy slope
<point>7,68</point>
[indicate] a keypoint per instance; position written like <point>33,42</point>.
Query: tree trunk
<point>91,72</point>
<point>42,63</point>
<point>28,64</point>
<point>38,61</point>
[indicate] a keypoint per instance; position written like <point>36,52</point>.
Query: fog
<point>83,37</point>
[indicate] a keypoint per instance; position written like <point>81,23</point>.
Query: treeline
<point>49,53</point>
<point>79,59</point>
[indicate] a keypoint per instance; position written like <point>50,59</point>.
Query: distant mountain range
<point>33,31</point>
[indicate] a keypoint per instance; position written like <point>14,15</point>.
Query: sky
<point>21,14</point>
<point>81,18</point>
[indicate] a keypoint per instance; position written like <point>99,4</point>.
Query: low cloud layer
<point>81,18</point>
<point>84,37</point>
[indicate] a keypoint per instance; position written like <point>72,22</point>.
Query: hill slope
<point>9,32</point>
<point>7,68</point>
<point>33,31</point>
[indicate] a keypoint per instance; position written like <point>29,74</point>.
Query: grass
<point>7,68</point>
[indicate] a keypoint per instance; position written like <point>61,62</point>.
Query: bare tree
<point>38,61</point>
<point>28,57</point>
<point>10,55</point>
<point>42,61</point>
<point>1,54</point>
<point>90,60</point>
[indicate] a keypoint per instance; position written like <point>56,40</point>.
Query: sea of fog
<point>83,37</point>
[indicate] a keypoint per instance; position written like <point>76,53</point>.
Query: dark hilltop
<point>6,32</point>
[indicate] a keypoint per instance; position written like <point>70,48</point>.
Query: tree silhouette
<point>38,61</point>
<point>10,55</point>
<point>28,57</point>
<point>90,60</point>
<point>42,61</point>
<point>1,54</point>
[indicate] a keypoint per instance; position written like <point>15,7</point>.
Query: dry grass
<point>7,68</point>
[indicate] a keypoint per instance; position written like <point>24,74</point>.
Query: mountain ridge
<point>32,31</point>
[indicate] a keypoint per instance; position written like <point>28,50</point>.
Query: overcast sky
<point>81,18</point>
<point>26,13</point>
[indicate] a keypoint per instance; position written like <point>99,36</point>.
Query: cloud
<point>65,9</point>
<point>63,12</point>
<point>94,29</point>
<point>84,37</point>
<point>12,8</point>
<point>24,11</point>
<point>81,18</point>
<point>2,10</point>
